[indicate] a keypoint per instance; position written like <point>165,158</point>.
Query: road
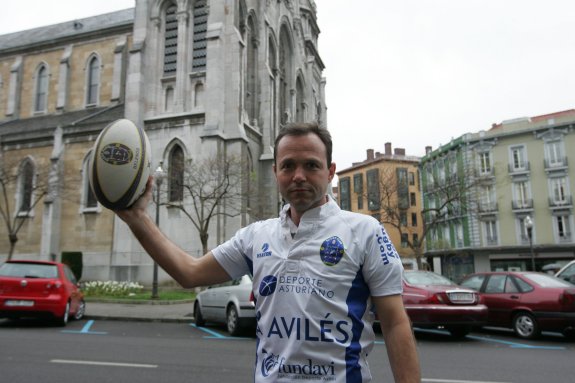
<point>115,351</point>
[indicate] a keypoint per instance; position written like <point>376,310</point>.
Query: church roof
<point>68,29</point>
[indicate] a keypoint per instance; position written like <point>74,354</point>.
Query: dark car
<point>434,301</point>
<point>231,303</point>
<point>40,289</point>
<point>527,302</point>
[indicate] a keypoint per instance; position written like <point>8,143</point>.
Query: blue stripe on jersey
<point>356,305</point>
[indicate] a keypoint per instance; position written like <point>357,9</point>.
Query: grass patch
<point>164,295</point>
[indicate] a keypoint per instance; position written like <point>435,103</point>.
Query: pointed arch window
<point>41,89</point>
<point>25,187</point>
<point>93,82</point>
<point>176,174</point>
<point>89,201</point>
<point>171,40</point>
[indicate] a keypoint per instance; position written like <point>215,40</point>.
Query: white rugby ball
<point>120,164</point>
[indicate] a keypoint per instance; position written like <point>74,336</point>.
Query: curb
<point>140,319</point>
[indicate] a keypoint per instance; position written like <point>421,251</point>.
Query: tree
<point>207,189</point>
<point>26,181</point>
<point>450,197</point>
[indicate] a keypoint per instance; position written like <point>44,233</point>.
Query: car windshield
<point>426,279</point>
<point>545,280</point>
<point>28,270</point>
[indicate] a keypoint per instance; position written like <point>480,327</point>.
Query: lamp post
<point>159,176</point>
<point>529,227</point>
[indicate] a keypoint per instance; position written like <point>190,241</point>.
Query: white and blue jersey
<point>312,291</point>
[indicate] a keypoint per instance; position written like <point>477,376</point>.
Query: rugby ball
<point>120,164</point>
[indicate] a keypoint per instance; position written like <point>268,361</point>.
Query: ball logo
<point>268,285</point>
<point>331,251</point>
<point>116,154</point>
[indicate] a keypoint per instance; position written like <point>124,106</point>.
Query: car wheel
<point>200,321</point>
<point>459,332</point>
<point>81,310</point>
<point>63,320</point>
<point>525,326</point>
<point>233,321</point>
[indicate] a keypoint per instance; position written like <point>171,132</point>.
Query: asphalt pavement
<point>150,311</point>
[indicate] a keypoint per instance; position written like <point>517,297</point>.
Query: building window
<point>414,219</point>
<point>373,196</point>
<point>411,176</point>
<point>562,227</point>
<point>403,219</point>
<point>26,180</point>
<point>415,239</point>
<point>176,174</point>
<point>358,189</point>
<point>171,41</point>
<point>41,89</point>
<point>93,82</point>
<point>518,158</point>
<point>404,240</point>
<point>485,163</point>
<point>554,152</point>
<point>412,199</point>
<point>559,190</point>
<point>521,192</point>
<point>344,194</point>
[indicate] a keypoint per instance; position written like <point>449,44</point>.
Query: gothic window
<point>285,73</point>
<point>89,202</point>
<point>41,89</point>
<point>251,81</point>
<point>176,174</point>
<point>300,101</point>
<point>93,81</point>
<point>25,187</point>
<point>199,46</point>
<point>169,99</point>
<point>171,40</point>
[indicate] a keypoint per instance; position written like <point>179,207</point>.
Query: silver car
<point>567,272</point>
<point>231,303</point>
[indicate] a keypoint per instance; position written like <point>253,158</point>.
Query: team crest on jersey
<point>331,251</point>
<point>268,285</point>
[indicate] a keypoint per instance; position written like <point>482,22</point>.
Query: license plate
<point>19,303</point>
<point>461,297</point>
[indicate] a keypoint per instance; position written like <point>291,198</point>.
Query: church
<point>208,80</point>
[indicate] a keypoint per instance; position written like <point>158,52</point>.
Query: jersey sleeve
<point>234,255</point>
<point>382,267</point>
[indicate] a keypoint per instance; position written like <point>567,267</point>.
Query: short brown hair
<point>302,129</point>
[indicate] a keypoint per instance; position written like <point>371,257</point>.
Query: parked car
<point>434,301</point>
<point>40,289</point>
<point>231,303</point>
<point>567,272</point>
<point>527,302</point>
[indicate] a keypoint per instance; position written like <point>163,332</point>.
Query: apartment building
<point>386,186</point>
<point>517,206</point>
<point>204,78</point>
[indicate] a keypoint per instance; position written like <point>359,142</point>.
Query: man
<point>316,270</point>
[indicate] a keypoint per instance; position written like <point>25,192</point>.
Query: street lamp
<point>159,176</point>
<point>529,227</point>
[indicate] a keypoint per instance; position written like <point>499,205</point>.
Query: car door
<point>501,296</point>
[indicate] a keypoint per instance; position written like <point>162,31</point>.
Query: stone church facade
<point>205,78</point>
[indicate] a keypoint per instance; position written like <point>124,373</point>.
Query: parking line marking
<point>94,363</point>
<point>515,344</point>
<point>457,381</point>
<point>85,330</point>
<point>216,335</point>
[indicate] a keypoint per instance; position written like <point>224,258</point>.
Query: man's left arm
<point>399,338</point>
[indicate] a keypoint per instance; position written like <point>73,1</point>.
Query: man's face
<point>302,172</point>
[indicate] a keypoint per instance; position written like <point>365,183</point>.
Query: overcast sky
<point>412,72</point>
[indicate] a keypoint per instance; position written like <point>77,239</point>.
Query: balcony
<point>492,241</point>
<point>565,237</point>
<point>555,164</point>
<point>522,205</point>
<point>523,168</point>
<point>487,207</point>
<point>565,203</point>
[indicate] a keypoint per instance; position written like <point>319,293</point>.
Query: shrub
<point>111,288</point>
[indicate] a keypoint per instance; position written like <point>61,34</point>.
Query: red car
<point>40,289</point>
<point>434,301</point>
<point>527,302</point>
